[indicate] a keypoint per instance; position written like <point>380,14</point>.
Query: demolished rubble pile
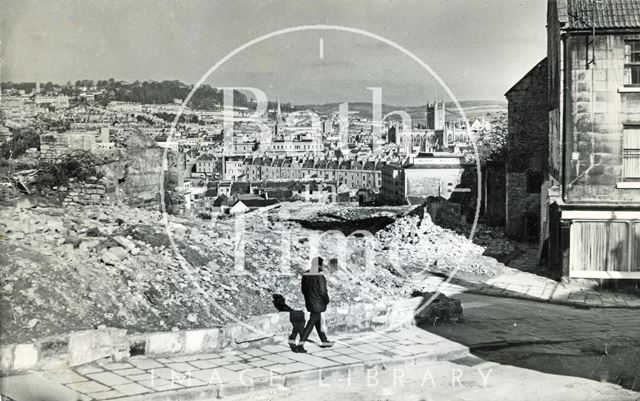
<point>345,219</point>
<point>493,239</point>
<point>82,267</point>
<point>413,242</point>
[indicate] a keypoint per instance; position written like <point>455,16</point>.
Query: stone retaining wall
<point>52,145</point>
<point>89,345</point>
<point>83,193</point>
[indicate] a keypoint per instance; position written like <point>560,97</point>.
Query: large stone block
<point>193,341</point>
<point>90,345</point>
<point>165,343</point>
<point>369,312</point>
<point>205,340</point>
<point>25,356</point>
<point>212,340</point>
<point>256,328</point>
<point>114,255</point>
<point>124,242</point>
<point>6,357</point>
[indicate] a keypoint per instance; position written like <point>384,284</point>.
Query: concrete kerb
<point>86,346</point>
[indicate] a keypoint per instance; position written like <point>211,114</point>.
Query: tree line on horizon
<point>147,92</point>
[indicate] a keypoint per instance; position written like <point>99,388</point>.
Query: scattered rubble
<point>437,307</point>
<point>86,266</point>
<point>493,239</point>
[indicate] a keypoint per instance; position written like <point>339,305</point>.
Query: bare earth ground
<point>78,268</point>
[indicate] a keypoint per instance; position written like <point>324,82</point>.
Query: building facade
<point>594,135</point>
<point>355,174</point>
<point>527,153</point>
<point>420,177</point>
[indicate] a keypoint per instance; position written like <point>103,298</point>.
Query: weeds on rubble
<point>77,165</point>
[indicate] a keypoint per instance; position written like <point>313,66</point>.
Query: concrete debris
<point>124,242</point>
<point>434,308</point>
<point>113,256</point>
<point>121,267</point>
<point>492,239</point>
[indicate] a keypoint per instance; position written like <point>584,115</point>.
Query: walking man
<point>316,299</point>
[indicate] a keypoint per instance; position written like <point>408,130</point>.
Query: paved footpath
<point>466,379</point>
<point>223,374</point>
<point>533,287</point>
<point>524,285</point>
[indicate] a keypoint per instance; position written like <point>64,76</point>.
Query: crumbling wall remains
<point>83,193</point>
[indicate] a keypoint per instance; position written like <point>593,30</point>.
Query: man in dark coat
<point>316,299</point>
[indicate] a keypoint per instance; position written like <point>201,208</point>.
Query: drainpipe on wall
<point>562,105</point>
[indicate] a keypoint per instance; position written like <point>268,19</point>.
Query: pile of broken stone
<point>85,266</point>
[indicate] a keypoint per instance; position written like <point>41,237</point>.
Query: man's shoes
<point>327,344</point>
<point>300,349</point>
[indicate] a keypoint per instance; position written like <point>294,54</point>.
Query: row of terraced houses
<point>353,173</point>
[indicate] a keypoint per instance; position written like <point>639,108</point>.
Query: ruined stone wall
<point>438,181</point>
<point>138,174</point>
<point>53,145</point>
<point>522,208</point>
<point>527,149</point>
<point>493,193</point>
<point>83,193</point>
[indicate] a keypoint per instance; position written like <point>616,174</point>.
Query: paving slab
<point>35,386</point>
<point>108,378</point>
<point>204,364</point>
<point>105,395</point>
<point>145,363</point>
<point>180,366</point>
<point>166,378</point>
<point>131,389</point>
<point>88,387</point>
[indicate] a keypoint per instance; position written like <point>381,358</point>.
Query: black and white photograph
<point>296,200</point>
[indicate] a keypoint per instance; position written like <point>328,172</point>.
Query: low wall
<point>82,347</point>
<point>83,193</point>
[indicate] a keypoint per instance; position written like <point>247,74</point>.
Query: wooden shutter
<point>631,154</point>
<point>634,260</point>
<point>599,246</point>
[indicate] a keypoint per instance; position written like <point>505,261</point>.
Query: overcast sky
<point>478,47</point>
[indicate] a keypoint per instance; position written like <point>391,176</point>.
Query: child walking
<point>296,317</point>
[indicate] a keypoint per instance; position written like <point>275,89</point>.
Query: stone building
<point>392,189</point>
<point>232,166</point>
<point>208,164</point>
<point>593,226</point>
<point>355,174</point>
<point>527,152</point>
<point>54,144</point>
<point>420,177</point>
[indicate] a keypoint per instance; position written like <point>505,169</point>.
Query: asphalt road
<point>597,344</point>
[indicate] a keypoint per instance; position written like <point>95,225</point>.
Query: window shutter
<point>627,76</point>
<point>627,53</point>
<point>631,153</point>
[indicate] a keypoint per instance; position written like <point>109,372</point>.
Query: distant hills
<point>208,98</point>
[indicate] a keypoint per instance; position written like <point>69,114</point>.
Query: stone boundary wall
<point>53,144</point>
<point>83,193</point>
<point>85,346</point>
